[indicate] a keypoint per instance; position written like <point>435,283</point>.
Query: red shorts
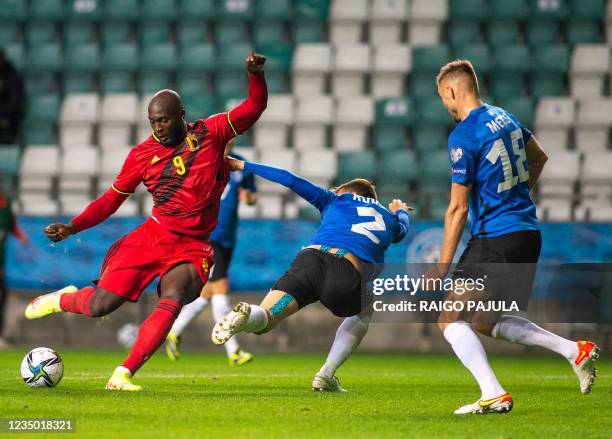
<point>147,252</point>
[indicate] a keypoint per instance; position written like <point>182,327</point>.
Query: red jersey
<point>187,180</point>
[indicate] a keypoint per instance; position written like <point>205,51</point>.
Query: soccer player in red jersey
<point>182,166</point>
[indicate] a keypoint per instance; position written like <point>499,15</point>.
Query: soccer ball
<point>42,367</point>
<point>126,336</point>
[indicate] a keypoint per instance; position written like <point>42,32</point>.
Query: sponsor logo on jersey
<point>456,154</point>
<point>205,265</point>
<point>155,160</point>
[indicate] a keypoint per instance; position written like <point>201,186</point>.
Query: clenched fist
<point>255,62</point>
<point>58,232</point>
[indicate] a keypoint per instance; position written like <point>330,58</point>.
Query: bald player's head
<point>167,117</point>
<point>457,84</point>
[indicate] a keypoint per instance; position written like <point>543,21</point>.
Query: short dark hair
<point>359,186</point>
<point>459,67</point>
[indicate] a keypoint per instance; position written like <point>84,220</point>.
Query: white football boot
<point>231,324</point>
<point>322,383</point>
<point>500,404</point>
<point>584,364</point>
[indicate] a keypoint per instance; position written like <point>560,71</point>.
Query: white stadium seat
<point>318,164</point>
<point>313,115</point>
<point>351,64</point>
<point>595,112</point>
<point>555,112</point>
<point>391,64</point>
<point>387,19</point>
<point>426,21</point>
<point>73,204</point>
<point>142,116</point>
<point>346,20</point>
<point>553,139</point>
<point>590,63</point>
<point>80,108</point>
<point>283,159</point>
<point>270,206</point>
<point>110,164</point>
<point>555,209</point>
<point>38,204</point>
<point>353,116</point>
<point>593,139</point>
<point>39,164</point>
<point>246,211</point>
<point>77,167</point>
<point>560,174</point>
<point>594,211</point>
<point>311,64</point>
<point>120,108</point>
<point>597,168</point>
<point>272,129</point>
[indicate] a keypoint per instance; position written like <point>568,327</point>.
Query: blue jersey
<point>357,224</point>
<point>487,150</point>
<point>225,232</point>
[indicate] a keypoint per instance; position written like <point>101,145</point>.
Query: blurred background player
<point>8,225</point>
<point>182,165</point>
<point>11,101</point>
<point>495,162</point>
<point>344,254</point>
<point>240,188</point>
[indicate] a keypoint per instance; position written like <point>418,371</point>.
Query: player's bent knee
<point>104,302</point>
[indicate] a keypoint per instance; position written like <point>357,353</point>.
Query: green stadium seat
<point>389,137</point>
<point>163,10</point>
<point>78,82</point>
<point>9,159</point>
<point>394,111</point>
<point>51,10</point>
<point>429,59</point>
<point>243,140</point>
<point>318,9</point>
<point>588,9</point>
<point>468,10</point>
<point>232,56</point>
<point>429,138</point>
<point>430,111</point>
<point>437,206</point>
<point>198,9</point>
<point>542,33</point>
<point>269,32</point>
<point>309,213</point>
<point>507,9</point>
<point>278,56</point>
<point>193,84</point>
<point>13,10</point>
<point>231,32</point>
<point>198,57</point>
<point>388,190</point>
<point>151,82</point>
<point>521,107</point>
<point>435,167</point>
<point>463,32</point>
<point>120,57</point>
<point>397,166</point>
<point>9,33</point>
<point>78,33</point>
<point>192,32</point>
<point>82,58</point>
<point>278,82</point>
<point>552,59</point>
<point>547,84</point>
<point>116,82</point>
<point>113,32</point>
<point>423,85</point>
<point>556,10</point>
<point>231,83</point>
<point>198,106</point>
<point>46,57</point>
<point>308,31</point>
<point>15,53</point>
<point>506,86</point>
<point>511,59</point>
<point>243,10</point>
<point>356,165</point>
<point>150,32</point>
<point>478,54</point>
<point>43,107</point>
<point>84,10</point>
<point>503,33</point>
<point>582,32</point>
<point>276,9</point>
<point>39,32</point>
<point>125,10</point>
<point>39,133</point>
<point>40,83</point>
<point>159,57</point>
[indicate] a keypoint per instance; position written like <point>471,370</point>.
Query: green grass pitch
<point>389,396</point>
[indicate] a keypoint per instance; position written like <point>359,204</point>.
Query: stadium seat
<point>272,129</point>
<point>547,84</point>
<point>52,10</point>
<point>589,65</point>
<point>311,63</point>
<point>198,9</point>
<point>45,57</point>
<point>346,21</point>
<point>478,54</point>
<point>399,167</point>
<point>111,161</point>
<point>39,166</point>
<point>13,10</point>
<point>463,32</point>
<point>78,82</point>
<point>555,209</point>
<point>15,54</point>
<point>389,138</point>
<point>595,178</point>
<point>511,60</point>
<point>113,32</point>
<point>120,57</point>
<point>503,33</point>
<point>232,84</point>
<point>593,211</point>
<point>521,107</point>
<point>269,33</point>
<point>159,57</point>
<point>151,82</point>
<point>37,204</point>
<point>595,112</point>
<point>351,64</point>
<point>356,165</point>
<point>40,133</point>
<point>153,32</point>
<point>231,57</point>
<point>386,21</point>
<point>422,85</point>
<point>231,32</point>
<point>426,18</point>
<point>192,32</point>
<point>429,138</point>
<point>553,139</point>
<point>163,10</point>
<point>82,58</point>
<point>9,33</point>
<point>559,175</point>
<point>77,168</point>
<point>278,56</point>
<point>435,169</point>
<point>429,59</point>
<point>39,32</point>
<point>394,111</point>
<point>556,112</point>
<point>583,32</point>
<point>119,108</point>
<point>591,139</point>
<point>311,31</point>
<point>588,9</point>
<point>9,160</point>
<point>311,9</point>
<point>126,10</point>
<point>468,10</point>
<point>116,82</point>
<point>80,108</point>
<point>313,115</point>
<point>73,204</point>
<point>43,108</point>
<point>431,112</point>
<point>40,83</point>
<point>236,10</point>
<point>197,58</point>
<point>391,63</point>
<point>557,10</point>
<point>198,106</point>
<point>353,116</point>
<point>285,159</point>
<point>193,83</point>
<point>318,164</point>
<point>274,9</point>
<point>84,10</point>
<point>79,33</point>
<point>542,32</point>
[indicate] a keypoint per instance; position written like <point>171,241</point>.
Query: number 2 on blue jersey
<point>367,227</point>
<point>499,151</point>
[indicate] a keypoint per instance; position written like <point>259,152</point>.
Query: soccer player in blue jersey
<point>240,188</point>
<point>334,268</point>
<point>495,162</point>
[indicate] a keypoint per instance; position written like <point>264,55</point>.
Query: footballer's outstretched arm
<point>314,194</point>
<point>454,222</point>
<point>536,158</point>
<point>400,209</point>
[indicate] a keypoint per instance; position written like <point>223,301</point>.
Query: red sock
<point>78,302</point>
<point>152,334</point>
